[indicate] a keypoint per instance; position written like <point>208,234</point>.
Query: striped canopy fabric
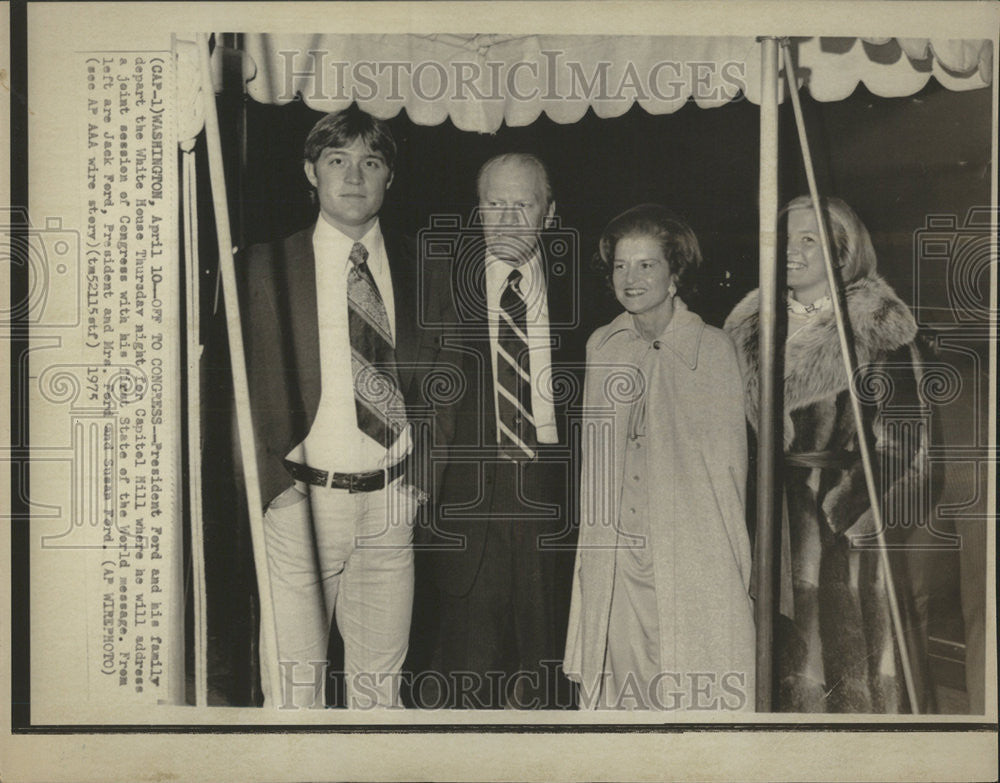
<point>482,81</point>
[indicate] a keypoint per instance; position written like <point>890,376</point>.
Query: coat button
<point>656,344</point>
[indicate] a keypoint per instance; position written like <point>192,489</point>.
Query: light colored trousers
<point>335,553</point>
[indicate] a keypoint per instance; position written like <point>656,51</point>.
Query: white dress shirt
<point>533,289</point>
<point>335,443</point>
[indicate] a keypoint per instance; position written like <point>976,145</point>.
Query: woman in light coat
<point>661,616</point>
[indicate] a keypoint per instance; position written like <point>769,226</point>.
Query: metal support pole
<point>841,319</point>
<point>227,272</point>
<point>198,587</point>
<point>770,422</point>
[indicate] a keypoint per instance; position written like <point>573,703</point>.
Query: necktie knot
<point>514,281</point>
<point>359,254</point>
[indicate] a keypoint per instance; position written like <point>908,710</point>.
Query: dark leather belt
<point>371,481</point>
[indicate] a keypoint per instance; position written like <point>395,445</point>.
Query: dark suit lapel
<point>561,309</point>
<point>481,343</point>
<point>564,301</point>
<point>557,317</point>
<point>300,284</point>
<point>405,291</point>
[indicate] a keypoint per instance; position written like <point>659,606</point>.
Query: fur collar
<point>880,322</point>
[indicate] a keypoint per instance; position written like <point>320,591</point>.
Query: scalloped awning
<point>481,81</point>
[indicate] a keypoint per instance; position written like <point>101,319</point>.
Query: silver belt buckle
<point>354,481</point>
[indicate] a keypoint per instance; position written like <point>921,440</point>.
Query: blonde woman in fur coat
<point>834,641</point>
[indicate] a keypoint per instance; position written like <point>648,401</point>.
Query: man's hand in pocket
<point>289,497</point>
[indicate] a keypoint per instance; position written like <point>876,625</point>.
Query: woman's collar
<point>821,304</point>
<point>682,335</point>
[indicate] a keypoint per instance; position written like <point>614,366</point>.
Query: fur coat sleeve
<point>836,652</point>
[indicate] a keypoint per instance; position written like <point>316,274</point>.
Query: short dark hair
<point>343,128</point>
<point>680,246</point>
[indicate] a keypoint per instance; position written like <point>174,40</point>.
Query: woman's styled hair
<point>852,244</point>
<point>679,244</point>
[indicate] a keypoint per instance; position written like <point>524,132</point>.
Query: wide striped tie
<point>516,422</point>
<point>378,400</point>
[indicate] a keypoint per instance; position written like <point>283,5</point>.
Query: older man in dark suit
<point>338,358</point>
<point>505,519</point>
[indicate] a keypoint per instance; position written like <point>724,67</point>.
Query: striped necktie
<point>516,424</point>
<point>378,400</point>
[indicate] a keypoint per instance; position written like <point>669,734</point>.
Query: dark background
<point>896,161</point>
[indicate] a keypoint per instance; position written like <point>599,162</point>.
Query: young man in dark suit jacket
<point>339,344</point>
<point>505,521</point>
